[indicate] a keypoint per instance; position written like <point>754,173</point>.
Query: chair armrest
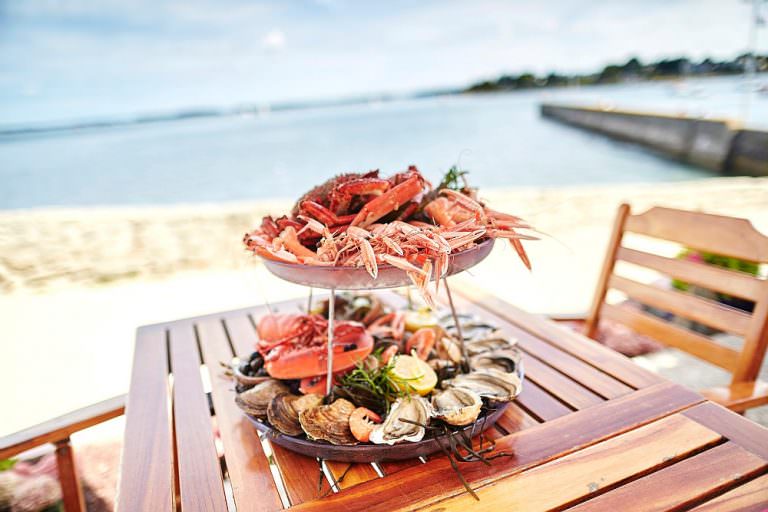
<point>739,396</point>
<point>61,427</point>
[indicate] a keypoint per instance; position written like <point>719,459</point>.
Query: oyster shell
<point>505,360</point>
<point>329,422</point>
<point>448,348</point>
<point>254,401</point>
<point>284,409</point>
<point>472,328</point>
<point>488,383</point>
<point>495,341</point>
<point>392,430</point>
<point>457,406</point>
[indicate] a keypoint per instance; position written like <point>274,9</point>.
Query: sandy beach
<point>77,282</point>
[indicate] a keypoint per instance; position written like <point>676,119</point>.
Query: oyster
<point>329,422</point>
<point>472,328</point>
<point>505,360</point>
<point>495,341</point>
<point>488,383</point>
<point>448,348</point>
<point>457,406</point>
<point>254,401</point>
<point>392,430</point>
<point>284,409</point>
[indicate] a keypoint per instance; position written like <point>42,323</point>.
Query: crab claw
<point>389,201</point>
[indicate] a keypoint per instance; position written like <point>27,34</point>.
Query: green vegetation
<point>371,386</point>
<point>748,267</point>
<point>632,70</point>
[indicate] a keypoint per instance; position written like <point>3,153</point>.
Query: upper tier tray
<point>356,278</point>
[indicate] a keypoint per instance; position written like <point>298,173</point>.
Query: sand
<point>77,282</point>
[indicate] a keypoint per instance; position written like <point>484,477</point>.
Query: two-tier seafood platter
<point>361,378</point>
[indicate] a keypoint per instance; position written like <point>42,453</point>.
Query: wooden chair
<point>57,431</point>
<point>708,233</point>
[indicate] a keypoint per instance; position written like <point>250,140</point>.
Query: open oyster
<point>392,430</point>
<point>284,409</point>
<point>457,406</point>
<point>495,341</point>
<point>254,401</point>
<point>329,422</point>
<point>490,383</point>
<point>504,360</point>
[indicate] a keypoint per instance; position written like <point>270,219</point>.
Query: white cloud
<point>274,40</point>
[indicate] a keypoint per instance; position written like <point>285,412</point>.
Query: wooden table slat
<point>580,474</point>
<point>746,433</point>
<point>200,480</point>
<point>146,478</point>
<point>540,404</point>
<point>435,480</point>
<point>248,467</point>
<point>558,385</point>
<point>682,484</point>
<point>599,356</point>
<point>750,497</point>
<point>516,419</point>
<point>390,468</point>
<point>354,474</point>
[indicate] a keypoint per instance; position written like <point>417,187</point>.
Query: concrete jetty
<point>718,144</point>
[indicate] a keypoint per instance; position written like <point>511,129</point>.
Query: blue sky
<point>65,60</point>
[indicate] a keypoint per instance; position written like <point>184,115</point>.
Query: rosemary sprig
<point>379,385</point>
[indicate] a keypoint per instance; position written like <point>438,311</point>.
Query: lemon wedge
<point>413,374</point>
<point>415,320</point>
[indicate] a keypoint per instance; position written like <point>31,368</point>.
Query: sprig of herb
<point>374,388</point>
<point>453,179</point>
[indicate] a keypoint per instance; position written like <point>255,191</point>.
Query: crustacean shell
<point>505,360</point>
<point>489,383</point>
<point>457,406</point>
<point>254,401</point>
<point>329,422</point>
<point>284,409</point>
<point>392,430</point>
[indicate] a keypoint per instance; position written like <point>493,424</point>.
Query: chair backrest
<point>716,234</point>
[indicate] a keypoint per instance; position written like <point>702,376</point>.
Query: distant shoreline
<point>20,131</point>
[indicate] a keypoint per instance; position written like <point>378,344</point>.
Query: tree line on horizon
<point>632,70</point>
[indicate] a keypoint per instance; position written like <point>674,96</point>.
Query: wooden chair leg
<point>71,490</point>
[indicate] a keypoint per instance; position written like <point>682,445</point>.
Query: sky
<point>76,60</point>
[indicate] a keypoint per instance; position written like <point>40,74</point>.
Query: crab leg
<point>389,201</point>
<point>291,242</point>
<point>325,215</point>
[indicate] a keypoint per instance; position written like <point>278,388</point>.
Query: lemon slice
<point>415,320</point>
<point>413,374</point>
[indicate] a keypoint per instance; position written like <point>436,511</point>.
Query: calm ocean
<point>500,138</point>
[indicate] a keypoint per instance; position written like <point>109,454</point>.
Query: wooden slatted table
<point>590,431</point>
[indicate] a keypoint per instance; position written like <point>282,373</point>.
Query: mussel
<point>496,385</point>
<point>457,406</point>
<point>392,430</point>
<point>329,422</point>
<point>254,401</point>
<point>284,409</point>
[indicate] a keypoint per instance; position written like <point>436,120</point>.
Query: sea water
<point>500,138</point>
